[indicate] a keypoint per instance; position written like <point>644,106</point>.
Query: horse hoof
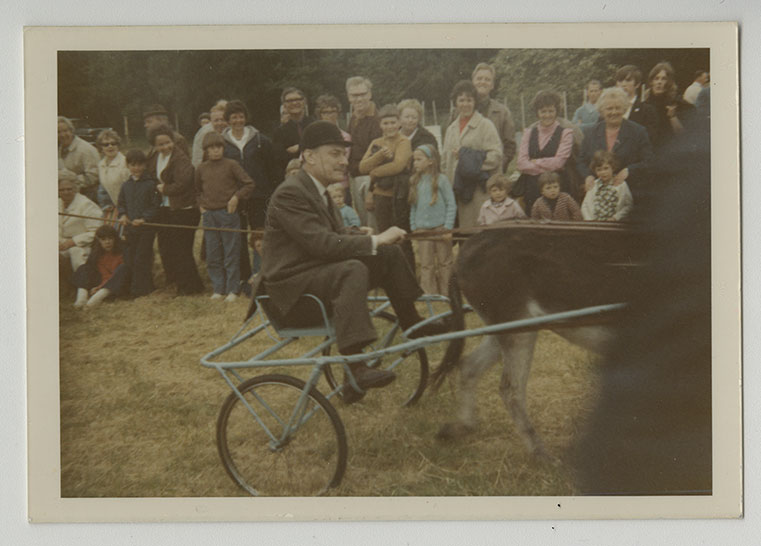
<point>452,431</point>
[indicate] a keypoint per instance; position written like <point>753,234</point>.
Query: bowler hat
<point>155,110</point>
<point>320,133</point>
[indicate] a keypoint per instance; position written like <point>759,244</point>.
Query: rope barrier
<point>458,234</point>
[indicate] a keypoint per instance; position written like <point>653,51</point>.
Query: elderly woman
<point>176,185</point>
<point>626,139</point>
<point>112,169</point>
<point>472,153</point>
<point>75,235</point>
<point>77,159</point>
<point>410,119</point>
<point>669,107</point>
<point>545,148</point>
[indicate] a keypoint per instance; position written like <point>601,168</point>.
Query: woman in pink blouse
<point>545,147</point>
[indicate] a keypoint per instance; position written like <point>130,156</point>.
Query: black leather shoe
<point>366,378</point>
<point>434,328</point>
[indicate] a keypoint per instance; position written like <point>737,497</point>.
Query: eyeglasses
<point>289,101</point>
<point>107,144</point>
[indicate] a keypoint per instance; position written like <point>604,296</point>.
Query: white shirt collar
<point>322,190</point>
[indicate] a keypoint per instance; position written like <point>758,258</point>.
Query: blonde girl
<point>432,206</point>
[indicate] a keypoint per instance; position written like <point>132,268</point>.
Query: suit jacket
<point>301,235</point>
<point>632,148</point>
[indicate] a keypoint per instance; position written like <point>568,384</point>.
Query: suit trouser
<point>343,286</point>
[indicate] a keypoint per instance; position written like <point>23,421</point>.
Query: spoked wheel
<point>308,461</point>
<point>411,368</point>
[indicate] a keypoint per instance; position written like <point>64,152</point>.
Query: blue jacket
<point>423,215</point>
<point>139,199</point>
<point>469,173</point>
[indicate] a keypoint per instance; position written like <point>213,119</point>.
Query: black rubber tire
<point>412,373</point>
<point>311,463</point>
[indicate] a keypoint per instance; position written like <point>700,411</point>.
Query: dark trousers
<point>87,276</point>
<point>392,211</point>
<point>343,287</point>
<point>139,259</point>
<point>176,249</point>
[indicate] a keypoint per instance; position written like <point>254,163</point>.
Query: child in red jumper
<point>104,274</point>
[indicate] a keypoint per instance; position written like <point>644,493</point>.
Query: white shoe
<point>231,297</point>
<point>216,296</point>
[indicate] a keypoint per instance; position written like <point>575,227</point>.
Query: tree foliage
<point>106,86</point>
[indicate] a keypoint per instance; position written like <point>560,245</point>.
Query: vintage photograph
<point>372,272</point>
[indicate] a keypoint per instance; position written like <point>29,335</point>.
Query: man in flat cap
<point>156,116</point>
<point>307,249</point>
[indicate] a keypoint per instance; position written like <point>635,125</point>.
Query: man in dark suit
<point>307,249</point>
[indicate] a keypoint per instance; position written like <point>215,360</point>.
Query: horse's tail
<point>454,350</point>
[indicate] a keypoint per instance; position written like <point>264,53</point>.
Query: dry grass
<point>138,412</point>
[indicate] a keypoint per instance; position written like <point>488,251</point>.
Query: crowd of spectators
<point>594,167</point>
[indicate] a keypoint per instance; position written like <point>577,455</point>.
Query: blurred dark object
<point>650,433</point>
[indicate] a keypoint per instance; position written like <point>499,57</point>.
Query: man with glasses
<point>364,127</point>
<point>285,140</point>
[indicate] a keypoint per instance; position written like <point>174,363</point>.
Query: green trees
<point>106,86</point>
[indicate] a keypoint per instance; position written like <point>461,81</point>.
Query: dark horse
<point>651,430</point>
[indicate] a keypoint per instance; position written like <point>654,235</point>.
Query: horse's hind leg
<point>518,352</point>
<point>472,367</point>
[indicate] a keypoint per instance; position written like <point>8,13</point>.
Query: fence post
<point>565,105</point>
<point>435,114</point>
<point>523,113</point>
<point>422,103</point>
<point>126,130</point>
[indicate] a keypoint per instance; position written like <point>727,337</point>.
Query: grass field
<point>138,412</point>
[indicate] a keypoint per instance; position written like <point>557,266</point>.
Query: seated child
<point>104,274</point>
<point>337,193</point>
<point>554,204</point>
<point>606,201</point>
<point>221,183</point>
<point>138,203</point>
<point>499,206</point>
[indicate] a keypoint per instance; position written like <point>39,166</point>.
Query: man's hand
<point>388,153</point>
<point>66,245</point>
<point>232,204</point>
<point>138,221</point>
<point>160,187</point>
<point>124,220</point>
<point>292,149</point>
<point>366,230</point>
<point>369,203</point>
<point>392,235</point>
<point>621,177</point>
